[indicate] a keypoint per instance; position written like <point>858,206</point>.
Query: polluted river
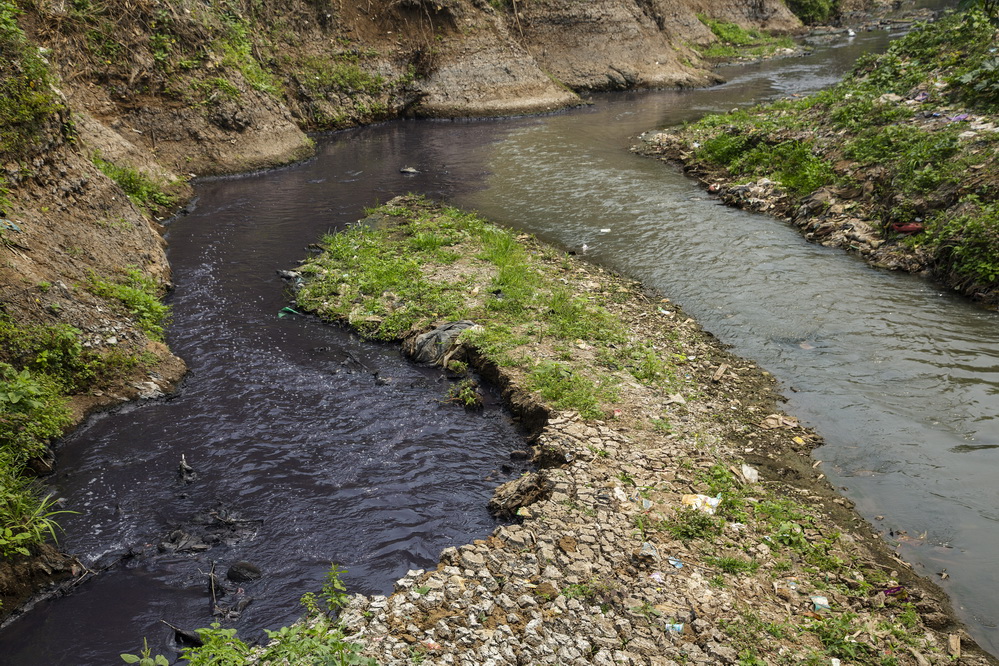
<point>309,446</point>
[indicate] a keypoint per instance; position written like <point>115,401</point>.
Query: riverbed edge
<point>551,546</point>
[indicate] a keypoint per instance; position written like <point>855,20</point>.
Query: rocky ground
<point>614,553</point>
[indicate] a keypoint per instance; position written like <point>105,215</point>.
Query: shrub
<point>812,11</point>
<point>139,294</point>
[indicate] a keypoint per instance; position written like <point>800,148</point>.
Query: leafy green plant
<point>690,524</point>
<point>465,393</point>
<point>32,412</point>
<point>220,647</point>
<point>334,591</point>
<point>145,657</point>
<point>138,293</point>
<point>315,639</point>
<point>835,634</point>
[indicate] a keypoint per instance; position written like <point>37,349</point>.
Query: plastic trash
<point>7,224</point>
<point>676,628</point>
<point>649,550</point>
<point>750,474</point>
<point>657,576</point>
<point>702,503</point>
<point>821,603</point>
<point>674,562</point>
<point>285,311</point>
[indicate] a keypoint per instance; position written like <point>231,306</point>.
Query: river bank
<point>896,163</point>
<point>109,109</point>
<point>606,560</point>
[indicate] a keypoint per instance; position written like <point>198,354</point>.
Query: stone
<point>243,572</point>
<point>433,346</point>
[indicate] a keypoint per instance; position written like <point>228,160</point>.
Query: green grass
<point>140,189</point>
<point>735,41</point>
<point>139,295</point>
<point>383,277</point>
<point>733,565</point>
<point>915,165</point>
<point>338,73</point>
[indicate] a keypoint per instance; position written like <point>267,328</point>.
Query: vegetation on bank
<point>412,264</point>
<point>317,638</point>
<point>149,196</point>
<point>210,55</point>
<point>41,366</point>
<point>421,265</point>
<point>737,42</point>
<point>813,12</point>
<point>913,132</point>
<point>27,101</point>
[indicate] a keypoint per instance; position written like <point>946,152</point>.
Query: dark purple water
<point>283,421</point>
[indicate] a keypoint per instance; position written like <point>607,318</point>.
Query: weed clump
<point>139,294</point>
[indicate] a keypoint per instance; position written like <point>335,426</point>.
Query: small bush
<point>690,524</point>
<point>32,413</point>
<point>139,294</point>
<point>812,11</point>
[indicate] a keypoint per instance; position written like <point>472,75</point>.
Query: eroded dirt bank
<point>611,556</point>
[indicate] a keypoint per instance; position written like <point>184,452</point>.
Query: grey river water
<point>288,429</point>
